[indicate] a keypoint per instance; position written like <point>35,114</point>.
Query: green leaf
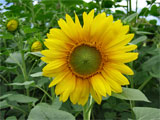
<point>110,115</point>
<point>38,74</point>
<point>130,18</point>
<point>7,36</point>
<point>150,63</point>
<point>20,84</point>
<point>44,111</point>
<point>28,29</point>
<point>20,98</point>
<point>138,40</point>
<point>143,33</point>
<point>131,94</point>
<point>155,11</point>
<point>38,54</point>
<point>144,12</point>
<point>107,3</point>
<point>14,58</point>
<point>5,96</point>
<point>11,118</point>
<point>56,104</point>
<point>3,104</point>
<point>146,113</point>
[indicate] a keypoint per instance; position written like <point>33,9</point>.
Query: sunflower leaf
<point>139,39</point>
<point>24,83</point>
<point>130,18</point>
<point>20,98</point>
<point>131,94</point>
<point>45,111</point>
<point>146,113</point>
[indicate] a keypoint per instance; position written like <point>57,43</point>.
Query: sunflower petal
<point>123,58</point>
<point>58,78</point>
<point>121,67</point>
<point>85,93</point>
<point>75,95</point>
<point>98,84</point>
<point>97,97</point>
<point>114,85</point>
<point>116,76</point>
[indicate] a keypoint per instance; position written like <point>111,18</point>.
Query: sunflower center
<point>85,60</point>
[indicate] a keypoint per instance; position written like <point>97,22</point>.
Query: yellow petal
<point>128,48</point>
<point>75,95</point>
<point>121,48</point>
<point>79,28</point>
<point>69,28</point>
<point>119,42</point>
<point>123,58</point>
<point>56,44</point>
<point>46,60</point>
<point>121,67</point>
<point>53,54</point>
<point>69,88</point>
<point>56,33</point>
<point>85,92</point>
<point>114,85</point>
<point>67,84</point>
<point>98,84</point>
<point>100,26</point>
<point>58,78</point>
<point>97,97</point>
<point>116,76</point>
<point>87,20</point>
<point>107,86</point>
<point>54,64</point>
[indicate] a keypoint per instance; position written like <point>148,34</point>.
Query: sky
<point>141,5</point>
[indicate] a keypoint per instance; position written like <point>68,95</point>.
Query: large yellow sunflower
<point>89,59</point>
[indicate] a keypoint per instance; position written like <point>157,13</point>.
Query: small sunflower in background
<point>36,46</point>
<point>88,59</point>
<point>12,25</point>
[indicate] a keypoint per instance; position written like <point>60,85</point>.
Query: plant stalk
<point>87,110</point>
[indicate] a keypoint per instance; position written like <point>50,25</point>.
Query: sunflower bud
<point>36,46</point>
<point>12,25</point>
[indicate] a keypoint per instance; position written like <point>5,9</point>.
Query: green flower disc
<point>85,60</point>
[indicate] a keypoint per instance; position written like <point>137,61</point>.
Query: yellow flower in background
<point>89,59</point>
<point>12,25</point>
<point>36,46</point>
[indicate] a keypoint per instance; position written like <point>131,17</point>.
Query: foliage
<point>24,91</point>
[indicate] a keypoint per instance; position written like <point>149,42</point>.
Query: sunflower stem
<point>87,108</point>
<point>52,92</point>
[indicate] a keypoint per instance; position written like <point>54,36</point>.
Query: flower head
<point>88,59</point>
<point>12,25</point>
<point>36,46</point>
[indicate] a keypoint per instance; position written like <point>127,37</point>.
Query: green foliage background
<point>24,92</point>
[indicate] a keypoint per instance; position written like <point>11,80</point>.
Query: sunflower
<point>12,25</point>
<point>90,59</point>
<point>36,46</point>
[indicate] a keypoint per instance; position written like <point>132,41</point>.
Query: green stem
<point>136,5</point>
<point>145,83</point>
<point>4,79</point>
<point>127,7</point>
<point>130,6</point>
<point>17,108</point>
<point>52,93</point>
<point>44,92</point>
<point>131,106</point>
<point>87,110</point>
<point>23,66</point>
